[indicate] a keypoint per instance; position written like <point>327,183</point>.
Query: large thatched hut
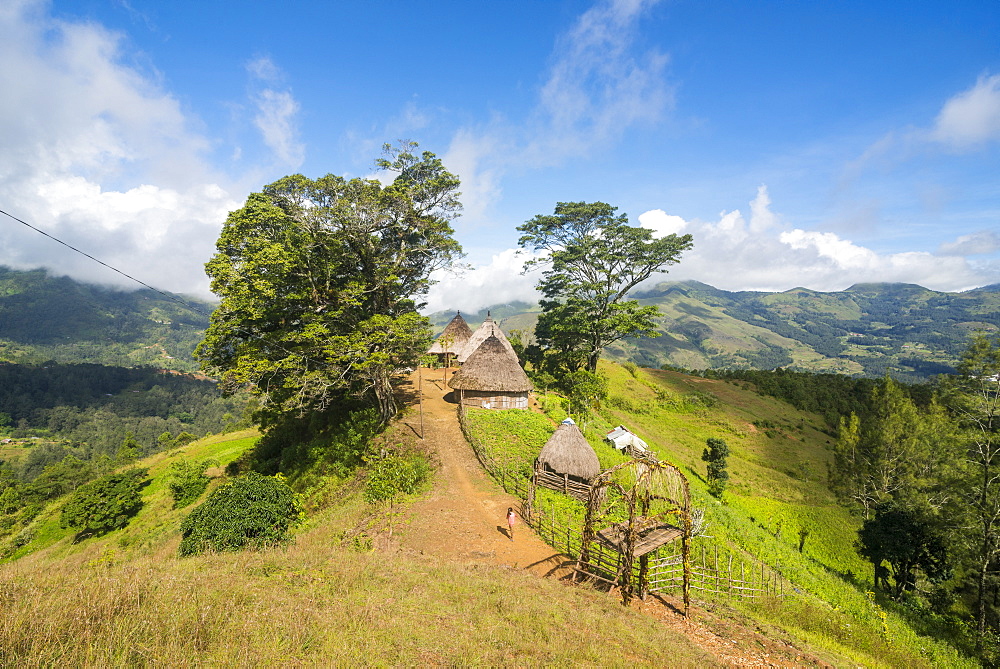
<point>492,378</point>
<point>488,329</point>
<point>567,462</point>
<point>452,340</point>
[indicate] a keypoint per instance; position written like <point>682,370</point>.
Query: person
<point>511,519</point>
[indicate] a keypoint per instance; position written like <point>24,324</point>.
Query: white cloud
<point>275,116</point>
<point>597,87</point>
<point>499,282</point>
<point>732,255</point>
<point>97,154</point>
<point>977,243</point>
<point>972,117</point>
<point>662,223</point>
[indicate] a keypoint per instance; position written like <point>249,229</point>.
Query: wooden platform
<point>652,535</point>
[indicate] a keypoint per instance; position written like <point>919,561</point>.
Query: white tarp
<point>621,438</point>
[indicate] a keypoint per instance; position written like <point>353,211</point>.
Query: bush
<point>252,511</point>
<point>187,481</point>
<point>105,504</point>
<point>394,475</point>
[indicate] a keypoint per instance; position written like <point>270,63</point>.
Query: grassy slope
<point>126,598</point>
<point>777,487</point>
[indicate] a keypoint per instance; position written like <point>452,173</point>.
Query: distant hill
<point>43,317</point>
<point>868,329</point>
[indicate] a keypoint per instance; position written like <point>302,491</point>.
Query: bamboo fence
<point>736,576</point>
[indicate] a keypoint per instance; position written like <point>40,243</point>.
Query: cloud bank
<point>97,154</point>
<point>763,253</point>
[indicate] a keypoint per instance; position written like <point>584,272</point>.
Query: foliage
<point>715,454</point>
<point>318,280</point>
<point>593,259</point>
<point>186,480</point>
<point>251,511</point>
<point>394,474</point>
<point>584,389</point>
<point>105,504</point>
<point>900,536</point>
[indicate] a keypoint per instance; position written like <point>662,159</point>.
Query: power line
<point>172,298</point>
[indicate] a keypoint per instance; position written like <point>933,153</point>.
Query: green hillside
<point>868,329</point>
<point>44,317</point>
<point>135,601</point>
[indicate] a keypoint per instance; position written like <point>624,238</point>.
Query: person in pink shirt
<point>511,520</point>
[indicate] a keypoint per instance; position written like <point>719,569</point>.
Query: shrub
<point>394,475</point>
<point>105,504</point>
<point>187,481</point>
<point>251,511</point>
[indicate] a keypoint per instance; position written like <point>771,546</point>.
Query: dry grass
<point>315,603</point>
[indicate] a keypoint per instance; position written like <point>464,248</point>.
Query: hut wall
<point>494,399</point>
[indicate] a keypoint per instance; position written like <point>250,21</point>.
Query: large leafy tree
<point>593,258</point>
<point>319,281</point>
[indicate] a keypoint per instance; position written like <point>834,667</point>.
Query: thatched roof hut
<point>568,452</point>
<point>492,378</point>
<point>488,329</point>
<point>452,339</point>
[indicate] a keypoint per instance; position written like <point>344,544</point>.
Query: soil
<point>463,520</point>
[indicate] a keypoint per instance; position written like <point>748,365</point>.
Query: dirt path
<point>464,520</point>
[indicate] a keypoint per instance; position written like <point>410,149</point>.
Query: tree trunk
<point>592,359</point>
<point>383,395</point>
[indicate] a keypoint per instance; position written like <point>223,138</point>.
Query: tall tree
<point>896,452</point>
<point>319,281</point>
<point>593,259</point>
<point>974,397</point>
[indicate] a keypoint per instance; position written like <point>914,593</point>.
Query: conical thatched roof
<point>568,452</point>
<point>491,368</point>
<point>454,337</point>
<point>482,333</point>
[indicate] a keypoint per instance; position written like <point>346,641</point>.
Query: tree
<point>908,541</point>
<point>251,511</point>
<point>318,280</point>
<point>898,452</point>
<point>715,455</point>
<point>593,259</point>
<point>974,398</point>
<point>105,504</point>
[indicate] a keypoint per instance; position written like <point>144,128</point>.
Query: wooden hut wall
<point>564,483</point>
<point>494,399</point>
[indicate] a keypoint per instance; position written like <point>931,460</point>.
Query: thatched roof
<point>482,333</point>
<point>454,337</point>
<point>491,368</point>
<point>568,452</point>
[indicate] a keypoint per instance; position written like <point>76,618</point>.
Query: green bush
<point>105,504</point>
<point>251,511</point>
<point>393,475</point>
<point>187,481</point>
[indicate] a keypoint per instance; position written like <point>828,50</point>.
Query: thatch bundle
<point>568,452</point>
<point>488,329</point>
<point>491,368</point>
<point>453,338</point>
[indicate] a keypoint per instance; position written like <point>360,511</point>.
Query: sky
<point>817,144</point>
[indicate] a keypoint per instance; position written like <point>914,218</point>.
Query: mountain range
<point>868,329</point>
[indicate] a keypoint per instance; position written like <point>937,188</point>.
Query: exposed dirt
<point>464,520</point>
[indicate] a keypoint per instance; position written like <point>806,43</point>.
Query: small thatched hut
<point>488,329</point>
<point>567,462</point>
<point>492,378</point>
<point>452,340</point>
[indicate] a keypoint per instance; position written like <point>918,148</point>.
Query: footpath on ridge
<point>463,520</point>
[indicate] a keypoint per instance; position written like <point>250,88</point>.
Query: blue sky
<point>810,144</point>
